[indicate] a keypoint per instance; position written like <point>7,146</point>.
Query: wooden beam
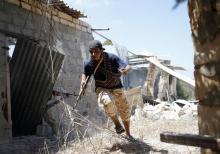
<point>191,140</point>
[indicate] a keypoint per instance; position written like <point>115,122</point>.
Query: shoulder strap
<point>97,66</point>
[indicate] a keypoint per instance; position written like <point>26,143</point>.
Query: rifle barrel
<point>82,91</point>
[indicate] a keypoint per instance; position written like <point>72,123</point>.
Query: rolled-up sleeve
<point>121,63</point>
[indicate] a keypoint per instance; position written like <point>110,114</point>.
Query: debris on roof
<point>61,6</point>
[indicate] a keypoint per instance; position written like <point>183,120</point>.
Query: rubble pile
<point>176,110</point>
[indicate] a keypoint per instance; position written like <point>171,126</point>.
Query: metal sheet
<point>32,80</point>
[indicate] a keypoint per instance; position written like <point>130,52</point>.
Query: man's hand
<point>124,71</point>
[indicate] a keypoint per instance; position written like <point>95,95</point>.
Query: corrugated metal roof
<point>31,84</point>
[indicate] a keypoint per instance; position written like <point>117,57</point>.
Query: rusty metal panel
<point>32,80</point>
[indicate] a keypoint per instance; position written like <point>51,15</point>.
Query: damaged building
<point>50,43</point>
<point>156,83</point>
<point>155,77</point>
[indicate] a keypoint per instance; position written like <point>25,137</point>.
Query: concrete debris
<point>176,110</point>
<point>180,101</point>
<point>58,116</point>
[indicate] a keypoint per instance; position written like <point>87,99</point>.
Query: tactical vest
<point>112,79</point>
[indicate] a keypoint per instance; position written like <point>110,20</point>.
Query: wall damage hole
<point>12,44</point>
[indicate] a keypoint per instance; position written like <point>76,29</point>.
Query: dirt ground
<point>146,131</point>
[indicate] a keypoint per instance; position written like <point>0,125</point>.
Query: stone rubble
<point>166,110</point>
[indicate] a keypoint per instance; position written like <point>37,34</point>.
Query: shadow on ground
<point>137,147</point>
<point>30,144</point>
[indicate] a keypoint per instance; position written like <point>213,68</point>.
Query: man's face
<point>95,53</point>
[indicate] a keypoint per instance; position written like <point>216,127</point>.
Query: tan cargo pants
<point>109,97</point>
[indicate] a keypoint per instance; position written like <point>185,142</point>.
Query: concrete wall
<point>58,31</point>
<point>155,83</point>
<point>149,85</point>
<point>137,77</point>
<point>5,116</point>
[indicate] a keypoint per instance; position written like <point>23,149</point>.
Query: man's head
<point>96,49</point>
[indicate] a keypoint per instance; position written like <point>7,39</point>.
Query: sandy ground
<point>146,131</point>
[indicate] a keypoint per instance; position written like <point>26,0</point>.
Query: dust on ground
<point>147,132</point>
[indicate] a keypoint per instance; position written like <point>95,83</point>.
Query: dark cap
<point>95,44</point>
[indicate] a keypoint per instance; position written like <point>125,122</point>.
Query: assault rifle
<point>82,91</point>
